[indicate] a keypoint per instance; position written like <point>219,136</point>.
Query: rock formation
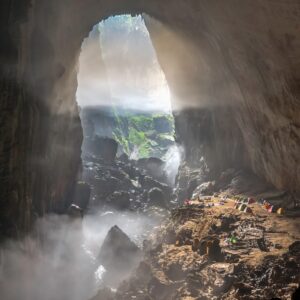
<point>119,255</point>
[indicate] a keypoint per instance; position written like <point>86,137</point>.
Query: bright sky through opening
<point>118,66</point>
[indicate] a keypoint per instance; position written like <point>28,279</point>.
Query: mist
<point>118,66</point>
<point>173,157</point>
<point>59,259</point>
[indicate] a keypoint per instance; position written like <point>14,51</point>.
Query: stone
<point>119,255</point>
<point>156,197</point>
<point>120,200</point>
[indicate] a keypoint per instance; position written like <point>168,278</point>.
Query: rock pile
<point>124,184</point>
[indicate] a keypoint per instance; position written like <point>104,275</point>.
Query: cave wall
<point>233,66</point>
<point>237,68</point>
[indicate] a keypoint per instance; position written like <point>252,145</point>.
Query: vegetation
<point>144,134</point>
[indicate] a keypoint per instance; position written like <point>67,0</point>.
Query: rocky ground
<point>193,256</point>
<point>223,236</point>
<point>220,246</point>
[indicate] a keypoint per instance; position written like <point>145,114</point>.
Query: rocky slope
<point>222,246</point>
<point>139,134</point>
<point>194,258</point>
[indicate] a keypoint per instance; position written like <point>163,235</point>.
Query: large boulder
<point>119,256</point>
<point>106,148</point>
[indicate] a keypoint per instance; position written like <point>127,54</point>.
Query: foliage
<point>136,131</point>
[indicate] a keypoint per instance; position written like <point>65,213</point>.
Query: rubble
<point>218,252</point>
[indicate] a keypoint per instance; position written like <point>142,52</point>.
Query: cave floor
<point>210,250</point>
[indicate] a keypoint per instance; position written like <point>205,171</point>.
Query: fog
<point>59,260</point>
<point>172,159</point>
<point>118,66</point>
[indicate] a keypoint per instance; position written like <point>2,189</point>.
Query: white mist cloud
<point>173,158</point>
<point>60,262</point>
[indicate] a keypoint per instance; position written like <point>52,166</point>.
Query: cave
<point>233,72</point>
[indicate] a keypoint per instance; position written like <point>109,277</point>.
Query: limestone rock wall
<point>233,67</point>
<point>237,64</point>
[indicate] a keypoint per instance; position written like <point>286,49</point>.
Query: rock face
<point>105,148</point>
<point>82,194</point>
<point>233,68</point>
<point>156,197</point>
<point>119,255</point>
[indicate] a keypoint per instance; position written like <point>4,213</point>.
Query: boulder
<point>156,197</point>
<point>119,255</point>
<point>154,167</point>
<point>148,183</point>
<point>120,200</point>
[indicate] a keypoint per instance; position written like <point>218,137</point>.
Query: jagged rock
<point>119,255</point>
<point>118,251</point>
<point>156,197</point>
<point>120,200</point>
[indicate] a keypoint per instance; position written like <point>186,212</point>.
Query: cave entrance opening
<point>124,96</point>
<point>130,158</point>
